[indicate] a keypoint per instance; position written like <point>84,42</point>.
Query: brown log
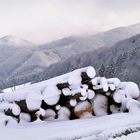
<point>60,86</point>
<point>85,78</point>
<point>77,96</point>
<point>23,106</point>
<point>9,112</point>
<point>80,113</point>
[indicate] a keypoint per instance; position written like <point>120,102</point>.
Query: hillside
<point>13,52</point>
<point>70,46</point>
<point>73,45</point>
<point>121,60</point>
<point>33,60</point>
<point>109,38</point>
<point>18,56</point>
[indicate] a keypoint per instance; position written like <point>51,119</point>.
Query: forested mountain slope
<point>121,60</point>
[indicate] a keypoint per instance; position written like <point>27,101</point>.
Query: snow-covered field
<point>12,89</point>
<point>135,136</point>
<point>100,128</point>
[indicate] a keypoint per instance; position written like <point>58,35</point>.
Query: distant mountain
<point>109,38</point>
<point>67,47</point>
<point>13,41</point>
<point>121,60</point>
<point>70,46</point>
<point>24,61</point>
<point>17,56</point>
<point>13,52</point>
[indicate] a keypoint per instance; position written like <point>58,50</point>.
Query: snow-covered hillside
<point>70,46</point>
<point>17,56</point>
<point>109,38</point>
<point>33,60</point>
<point>121,60</point>
<point>76,45</point>
<point>10,40</point>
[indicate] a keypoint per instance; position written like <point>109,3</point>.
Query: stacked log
<point>76,95</point>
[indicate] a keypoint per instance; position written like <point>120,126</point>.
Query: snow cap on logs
<point>128,90</point>
<point>34,101</point>
<point>51,94</point>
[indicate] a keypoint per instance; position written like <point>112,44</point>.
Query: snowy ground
<point>12,89</point>
<point>135,136</point>
<point>101,128</point>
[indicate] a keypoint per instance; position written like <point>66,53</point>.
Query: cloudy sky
<point>42,21</point>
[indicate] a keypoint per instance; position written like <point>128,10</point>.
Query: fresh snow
<point>49,114</point>
<point>24,117</point>
<point>12,89</point>
<point>12,106</point>
<point>66,91</point>
<point>100,83</point>
<point>128,90</point>
<point>63,113</point>
<point>99,128</point>
<point>91,94</point>
<point>89,103</point>
<point>100,105</point>
<point>51,94</point>
<point>34,101</point>
<point>91,72</point>
<point>135,136</point>
<point>15,41</point>
<point>73,102</point>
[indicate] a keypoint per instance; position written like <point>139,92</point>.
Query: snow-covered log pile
<point>78,94</point>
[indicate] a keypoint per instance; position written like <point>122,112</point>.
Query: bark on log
<point>60,86</point>
<point>9,112</point>
<point>23,106</point>
<point>85,78</point>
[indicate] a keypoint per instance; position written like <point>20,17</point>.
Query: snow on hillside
<point>121,60</point>
<point>30,63</point>
<point>69,46</point>
<point>36,63</point>
<point>109,38</point>
<point>73,45</point>
<point>18,57</point>
<point>10,40</point>
<point>92,42</point>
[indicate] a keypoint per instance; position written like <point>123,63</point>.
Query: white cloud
<point>46,20</point>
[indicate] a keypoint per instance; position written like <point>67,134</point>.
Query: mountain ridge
<point>14,41</point>
<point>22,61</point>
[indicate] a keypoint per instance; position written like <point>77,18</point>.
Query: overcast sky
<point>41,21</point>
